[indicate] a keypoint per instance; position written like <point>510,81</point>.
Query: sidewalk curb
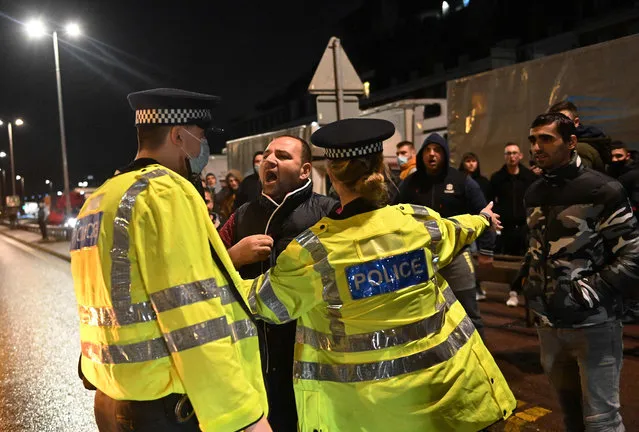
<point>37,246</point>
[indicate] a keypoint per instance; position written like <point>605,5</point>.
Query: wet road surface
<point>39,345</point>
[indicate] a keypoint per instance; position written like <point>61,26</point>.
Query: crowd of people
<point>268,306</point>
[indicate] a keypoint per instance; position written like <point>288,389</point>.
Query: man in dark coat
<point>256,234</point>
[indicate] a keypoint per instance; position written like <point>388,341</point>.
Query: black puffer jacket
<point>584,247</point>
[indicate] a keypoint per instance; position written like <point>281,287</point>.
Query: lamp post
<point>4,179</point>
<point>4,186</point>
<point>17,122</point>
<point>36,28</point>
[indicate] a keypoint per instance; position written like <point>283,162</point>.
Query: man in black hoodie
<point>449,192</point>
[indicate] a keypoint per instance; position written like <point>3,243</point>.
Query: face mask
<point>616,166</point>
<point>256,168</point>
<point>199,162</point>
<point>402,160</point>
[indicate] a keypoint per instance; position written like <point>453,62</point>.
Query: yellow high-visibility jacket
<point>382,343</point>
<point>156,314</point>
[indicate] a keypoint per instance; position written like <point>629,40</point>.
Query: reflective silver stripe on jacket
<point>267,295</point>
<point>186,294</point>
<point>164,300</point>
<point>123,312</point>
<point>421,214</point>
<point>197,334</point>
<point>132,353</point>
<point>242,329</point>
<point>330,292</point>
<point>378,339</point>
<point>106,316</point>
<point>179,340</point>
<point>350,373</point>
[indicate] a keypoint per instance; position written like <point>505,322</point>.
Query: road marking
<point>518,421</point>
<point>532,414</point>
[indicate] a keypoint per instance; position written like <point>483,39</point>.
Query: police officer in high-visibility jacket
<point>162,334</point>
<point>382,342</point>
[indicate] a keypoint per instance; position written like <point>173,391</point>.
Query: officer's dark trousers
<point>140,416</point>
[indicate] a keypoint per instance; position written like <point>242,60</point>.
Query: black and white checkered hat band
<point>171,116</point>
<point>348,153</point>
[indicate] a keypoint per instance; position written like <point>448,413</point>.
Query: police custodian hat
<point>167,106</point>
<point>353,137</point>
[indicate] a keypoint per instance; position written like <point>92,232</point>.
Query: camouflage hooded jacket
<point>583,250</point>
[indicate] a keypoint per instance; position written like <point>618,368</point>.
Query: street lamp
<point>50,183</point>
<point>17,122</point>
<point>36,28</point>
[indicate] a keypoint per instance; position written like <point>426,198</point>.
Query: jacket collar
<point>353,208</point>
<point>137,164</point>
<point>291,199</point>
<point>569,171</point>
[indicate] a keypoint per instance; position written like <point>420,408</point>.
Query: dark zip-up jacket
<point>508,194</point>
<point>450,193</point>
<point>584,247</point>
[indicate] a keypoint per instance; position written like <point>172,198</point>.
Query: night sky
<point>243,51</point>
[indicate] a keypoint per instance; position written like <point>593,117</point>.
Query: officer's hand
<point>250,250</point>
<point>260,426</point>
<point>494,217</point>
<point>484,261</point>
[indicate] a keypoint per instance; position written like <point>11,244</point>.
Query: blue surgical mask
<point>198,162</point>
<point>402,160</point>
<point>256,168</point>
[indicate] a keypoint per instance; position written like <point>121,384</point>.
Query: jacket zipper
<point>545,249</point>
<point>268,223</point>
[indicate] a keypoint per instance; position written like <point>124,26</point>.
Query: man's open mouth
<point>270,176</point>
